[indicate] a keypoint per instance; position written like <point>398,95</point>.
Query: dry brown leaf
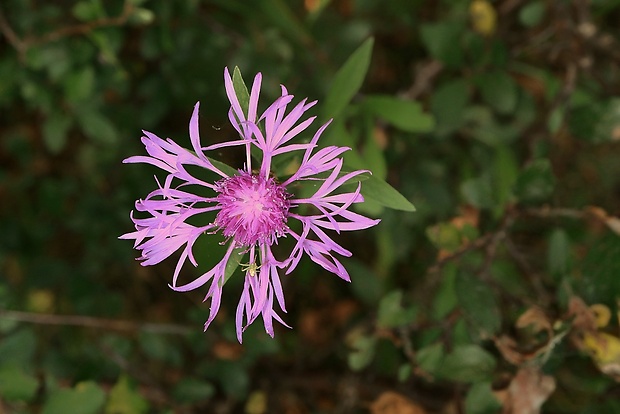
<point>527,391</point>
<point>583,319</point>
<point>509,349</point>
<point>518,352</point>
<point>535,317</point>
<point>469,215</point>
<point>390,402</point>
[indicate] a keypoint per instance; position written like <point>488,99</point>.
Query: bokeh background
<point>499,120</point>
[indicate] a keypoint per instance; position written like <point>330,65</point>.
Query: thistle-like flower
<point>252,208</point>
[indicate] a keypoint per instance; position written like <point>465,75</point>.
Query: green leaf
<point>479,191</point>
<point>347,81</point>
<point>600,270</point>
<point>160,348</point>
<point>448,104</point>
<point>505,174</point>
<point>374,157</point>
<point>392,314</point>
<point>532,13</point>
<point>535,183</point>
<point>241,90</point>
<point>366,285</point>
<point>498,90</point>
<point>281,16</point>
<point>84,398</point>
<point>481,400</point>
<point>442,42</point>
<point>467,363</point>
<point>405,115</point>
<point>404,372</point>
<point>125,399</point>
<point>444,236</point>
<point>377,190</point>
<point>445,300</point>
<point>193,390</point>
<point>363,353</point>
<point>429,358</point>
<point>18,348</point>
<point>97,127</point>
<point>88,10</point>
<point>558,253</point>
<point>225,168</point>
<point>16,385</point>
<point>234,378</point>
<point>55,130</point>
<point>79,85</point>
<point>479,305</point>
<point>142,16</point>
<point>234,261</point>
<point>555,120</point>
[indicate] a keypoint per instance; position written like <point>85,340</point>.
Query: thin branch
<point>93,322</point>
<point>83,28</point>
<point>10,35</point>
<point>22,45</point>
<point>549,212</point>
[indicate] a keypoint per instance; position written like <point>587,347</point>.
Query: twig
<point>93,322</point>
<point>11,36</point>
<point>425,73</point>
<point>83,28</point>
<point>548,212</point>
<point>22,45</point>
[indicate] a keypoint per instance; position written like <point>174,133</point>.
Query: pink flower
<point>253,209</point>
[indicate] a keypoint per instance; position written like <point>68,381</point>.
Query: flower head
<point>252,208</point>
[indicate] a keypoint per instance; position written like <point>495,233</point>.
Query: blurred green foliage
<point>499,121</point>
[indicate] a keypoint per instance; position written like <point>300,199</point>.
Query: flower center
<point>252,209</point>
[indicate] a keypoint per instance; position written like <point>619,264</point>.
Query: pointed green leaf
<point>347,81</point>
<point>377,190</point>
<point>225,168</point>
<point>233,262</point>
<point>241,90</point>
